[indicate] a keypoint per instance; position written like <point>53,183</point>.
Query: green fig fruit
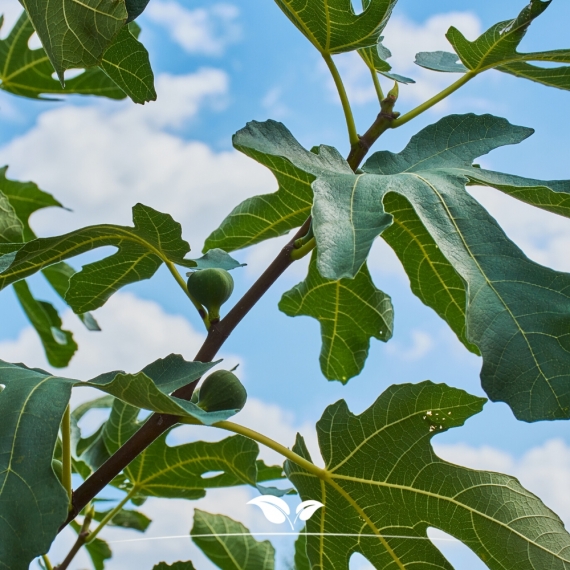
<point>211,287</point>
<point>57,467</point>
<point>222,390</point>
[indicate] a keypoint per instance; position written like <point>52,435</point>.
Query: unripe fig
<point>57,467</point>
<point>211,287</point>
<point>222,390</point>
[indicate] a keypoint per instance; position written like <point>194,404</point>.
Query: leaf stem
<point>352,134</point>
<point>66,452</point>
<point>377,86</point>
<point>306,248</point>
<point>180,280</point>
<point>267,441</point>
<point>47,562</point>
<point>109,516</point>
<point>434,100</point>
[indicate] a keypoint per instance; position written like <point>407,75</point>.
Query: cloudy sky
<point>217,66</point>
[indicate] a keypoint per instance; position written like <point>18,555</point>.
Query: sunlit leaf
<point>350,312</point>
<point>440,61</point>
<point>155,238</point>
<point>383,487</point>
<point>76,34</point>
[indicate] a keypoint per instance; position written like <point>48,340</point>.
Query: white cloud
<point>103,159</point>
<point>421,344</point>
<point>11,11</point>
<point>405,38</point>
<point>205,31</point>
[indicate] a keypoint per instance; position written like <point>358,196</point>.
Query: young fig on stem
<point>211,287</point>
<point>221,390</point>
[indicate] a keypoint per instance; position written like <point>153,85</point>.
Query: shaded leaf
<point>28,72</point>
<point>181,471</point>
<point>375,58</point>
<point>511,301</point>
<point>174,566</point>
<point>384,502</point>
<point>350,312</point>
<point>154,239</point>
<point>432,278</point>
<point>240,552</point>
<point>58,343</point>
<point>497,48</point>
<point>301,559</point>
<point>33,504</point>
<point>135,8</point>
<point>126,62</point>
<point>75,35</point>
<point>271,215</point>
<point>97,549</point>
<point>440,61</point>
<point>133,520</point>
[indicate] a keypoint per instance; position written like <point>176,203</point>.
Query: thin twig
<point>81,540</point>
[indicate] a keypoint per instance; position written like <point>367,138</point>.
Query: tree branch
<point>217,335</point>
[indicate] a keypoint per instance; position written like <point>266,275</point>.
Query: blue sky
<point>101,157</point>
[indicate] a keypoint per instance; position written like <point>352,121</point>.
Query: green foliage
<point>350,311</point>
<point>271,215</point>
<point>33,504</point>
<point>28,72</point>
<point>176,566</point>
<point>384,486</point>
<point>154,239</point>
<point>76,35</point>
<point>98,550</point>
<point>179,471</point>
<point>497,49</point>
<point>333,27</point>
<point>58,343</point>
<point>375,58</point>
<point>230,552</point>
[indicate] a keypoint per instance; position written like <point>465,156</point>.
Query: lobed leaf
<point>333,27</point>
<point>271,215</point>
<point>238,552</point>
<point>28,72</point>
<point>76,34</point>
<point>154,239</point>
<point>180,471</point>
<point>350,311</point>
<point>383,487</point>
<point>510,299</point>
<point>497,49</point>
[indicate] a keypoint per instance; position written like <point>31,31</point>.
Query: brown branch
<point>382,123</point>
<point>81,540</point>
<point>217,335</point>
